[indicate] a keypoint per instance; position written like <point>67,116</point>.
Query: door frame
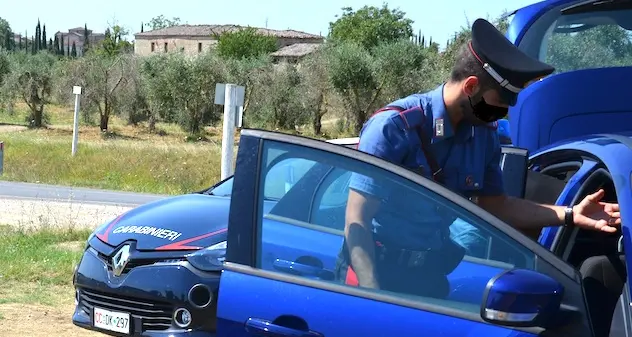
<point>550,237</point>
<point>245,211</point>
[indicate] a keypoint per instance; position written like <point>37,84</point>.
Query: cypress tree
<point>142,27</point>
<point>33,45</point>
<point>86,39</point>
<point>62,49</point>
<point>73,52</point>
<point>50,45</point>
<point>44,40</point>
<point>20,42</point>
<point>38,36</point>
<point>56,45</point>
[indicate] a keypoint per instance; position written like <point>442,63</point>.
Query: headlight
<point>94,233</point>
<point>209,259</point>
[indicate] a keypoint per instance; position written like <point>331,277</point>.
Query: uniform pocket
<point>470,181</point>
<point>420,164</point>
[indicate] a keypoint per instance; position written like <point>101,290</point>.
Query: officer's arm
<point>381,138</point>
<point>519,213</point>
<point>361,209</point>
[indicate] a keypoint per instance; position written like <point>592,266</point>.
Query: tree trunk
<point>37,116</point>
<point>10,108</point>
<point>104,121</point>
<point>358,122</point>
<point>317,125</point>
<point>152,122</point>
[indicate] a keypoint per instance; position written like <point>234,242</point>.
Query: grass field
<point>126,158</point>
<point>36,293</point>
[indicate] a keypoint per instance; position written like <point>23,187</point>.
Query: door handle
<point>297,268</point>
<point>262,327</point>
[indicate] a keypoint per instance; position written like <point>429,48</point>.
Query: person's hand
<point>593,214</point>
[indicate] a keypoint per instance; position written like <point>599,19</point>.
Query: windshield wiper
<point>597,6</point>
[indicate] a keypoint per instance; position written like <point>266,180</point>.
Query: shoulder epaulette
<point>492,125</point>
<point>413,117</point>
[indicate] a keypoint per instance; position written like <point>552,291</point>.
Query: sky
<point>438,20</point>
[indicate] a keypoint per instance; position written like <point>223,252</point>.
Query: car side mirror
<point>521,298</point>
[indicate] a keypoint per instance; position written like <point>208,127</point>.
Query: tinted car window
<point>282,177</point>
<point>410,216</point>
<point>330,201</point>
<point>593,39</point>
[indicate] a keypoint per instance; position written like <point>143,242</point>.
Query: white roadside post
<point>1,157</point>
<point>232,97</point>
<point>76,90</point>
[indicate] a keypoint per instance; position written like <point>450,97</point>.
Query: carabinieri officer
<point>448,134</point>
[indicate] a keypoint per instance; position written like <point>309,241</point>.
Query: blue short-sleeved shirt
<point>469,156</point>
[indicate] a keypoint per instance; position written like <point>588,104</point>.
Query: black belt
<point>443,260</point>
<point>401,257</point>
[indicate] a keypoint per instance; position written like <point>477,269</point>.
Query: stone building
<point>76,35</point>
<point>294,52</point>
<point>193,39</point>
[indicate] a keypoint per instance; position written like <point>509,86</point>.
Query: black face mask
<point>486,112</point>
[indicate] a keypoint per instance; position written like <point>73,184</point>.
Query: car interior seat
<point>621,316</point>
<point>603,277</point>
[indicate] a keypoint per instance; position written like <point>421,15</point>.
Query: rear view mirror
<point>521,298</point>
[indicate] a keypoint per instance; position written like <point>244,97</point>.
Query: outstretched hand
<point>593,214</point>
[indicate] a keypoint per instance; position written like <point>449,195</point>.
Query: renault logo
<point>120,260</point>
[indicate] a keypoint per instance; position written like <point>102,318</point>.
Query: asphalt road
<point>43,192</point>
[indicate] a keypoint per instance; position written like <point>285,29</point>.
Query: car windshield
<point>282,176</point>
<point>585,38</point>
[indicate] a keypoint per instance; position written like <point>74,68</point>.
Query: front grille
<point>135,262</point>
<point>151,314</point>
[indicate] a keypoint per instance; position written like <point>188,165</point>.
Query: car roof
<point>350,142</point>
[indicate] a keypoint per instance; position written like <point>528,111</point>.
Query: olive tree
<point>30,80</point>
<point>314,88</point>
<point>181,89</point>
<point>255,75</point>
<point>104,79</point>
<point>401,69</point>
<point>279,99</point>
<point>370,26</point>
<point>352,75</point>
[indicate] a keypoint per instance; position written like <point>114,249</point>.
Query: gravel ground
<point>32,213</point>
<point>39,320</point>
<point>31,320</point>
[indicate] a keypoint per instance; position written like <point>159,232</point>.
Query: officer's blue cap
<point>508,65</point>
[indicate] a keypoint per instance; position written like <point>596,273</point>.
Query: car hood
<point>186,222</point>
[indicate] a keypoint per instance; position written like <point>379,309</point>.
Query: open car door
<point>277,279</point>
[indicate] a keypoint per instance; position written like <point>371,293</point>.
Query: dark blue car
<point>255,254</point>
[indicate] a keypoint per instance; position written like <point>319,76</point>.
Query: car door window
<point>411,218</point>
<point>330,201</point>
<point>283,175</point>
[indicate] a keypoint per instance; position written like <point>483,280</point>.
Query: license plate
<point>111,320</point>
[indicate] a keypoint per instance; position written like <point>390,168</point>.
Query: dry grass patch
<point>28,309</point>
<point>157,165</point>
